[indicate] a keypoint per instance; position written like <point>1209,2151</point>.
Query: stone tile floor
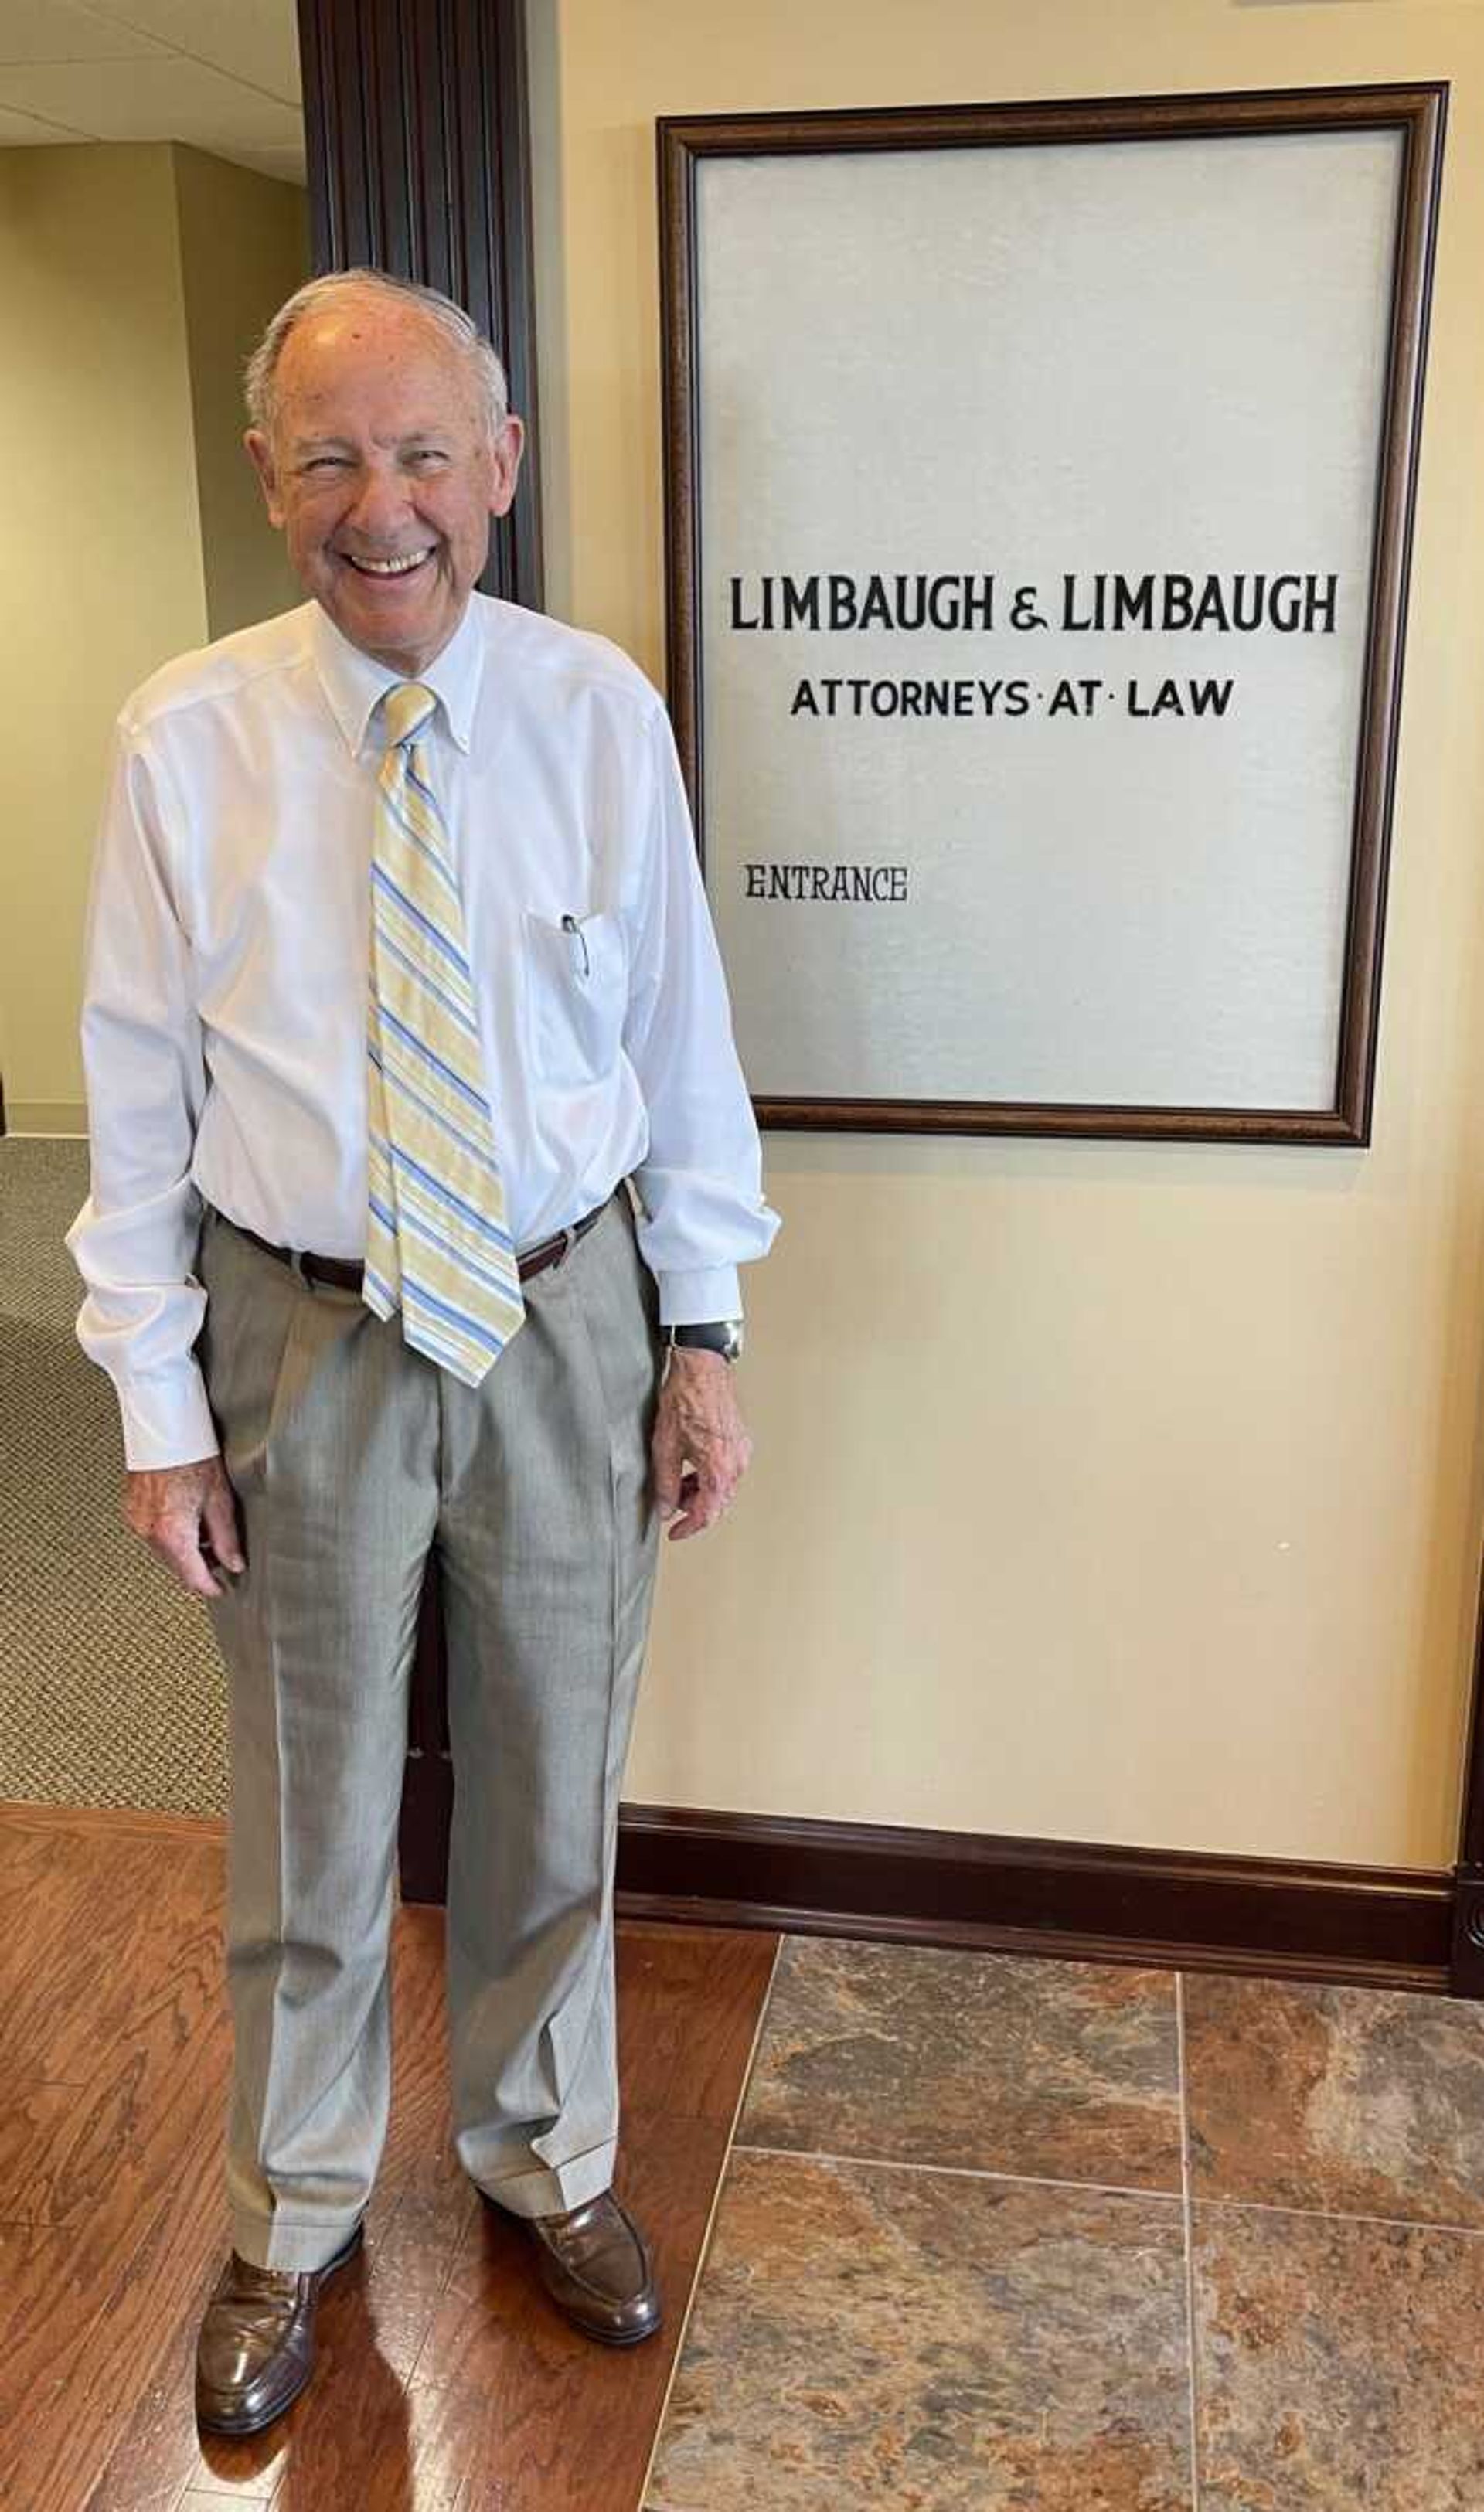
<point>1001,2235</point>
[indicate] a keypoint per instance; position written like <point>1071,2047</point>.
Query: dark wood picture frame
<point>1416,114</point>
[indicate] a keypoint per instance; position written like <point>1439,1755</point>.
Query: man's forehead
<point>354,349</point>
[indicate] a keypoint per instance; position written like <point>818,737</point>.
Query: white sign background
<point>1151,356</point>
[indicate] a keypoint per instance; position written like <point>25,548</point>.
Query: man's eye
<point>325,462</point>
<point>427,458</point>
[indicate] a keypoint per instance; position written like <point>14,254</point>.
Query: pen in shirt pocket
<point>573,929</point>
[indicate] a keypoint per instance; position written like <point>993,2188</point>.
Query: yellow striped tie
<point>438,1245</point>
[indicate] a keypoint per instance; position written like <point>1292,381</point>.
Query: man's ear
<point>507,464</point>
<point>260,452</point>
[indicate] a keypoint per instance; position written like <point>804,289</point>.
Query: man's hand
<point>699,1425</point>
<point>188,1514</point>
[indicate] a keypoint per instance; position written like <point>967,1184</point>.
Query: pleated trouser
<point>351,1457</point>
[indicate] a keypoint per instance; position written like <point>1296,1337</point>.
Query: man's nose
<point>380,506</point>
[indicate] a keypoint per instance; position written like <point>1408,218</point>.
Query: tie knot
<point>406,709</point>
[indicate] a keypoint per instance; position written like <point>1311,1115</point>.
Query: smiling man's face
<point>381,473</point>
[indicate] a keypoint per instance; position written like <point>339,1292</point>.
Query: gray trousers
<point>351,1457</point>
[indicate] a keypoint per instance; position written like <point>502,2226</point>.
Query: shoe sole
<point>635,2338</point>
<point>238,2426</point>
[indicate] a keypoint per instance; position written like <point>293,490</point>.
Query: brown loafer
<point>256,2351</point>
<point>595,2264</point>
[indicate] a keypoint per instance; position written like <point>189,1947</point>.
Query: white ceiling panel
<point>60,30</point>
<point>220,74</point>
<point>164,97</point>
<point>285,165</point>
<point>24,131</point>
<point>252,40</point>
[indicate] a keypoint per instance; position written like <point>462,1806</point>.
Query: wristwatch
<point>723,1337</point>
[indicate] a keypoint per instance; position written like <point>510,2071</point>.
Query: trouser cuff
<point>555,2189</point>
<point>267,2242</point>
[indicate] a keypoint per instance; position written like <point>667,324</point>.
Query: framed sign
<point>1039,484</point>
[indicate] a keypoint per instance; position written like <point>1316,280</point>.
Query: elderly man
<point>399,972</point>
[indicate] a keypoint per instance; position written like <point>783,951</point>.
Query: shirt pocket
<point>577,995</point>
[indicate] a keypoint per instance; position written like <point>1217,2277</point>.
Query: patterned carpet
<point>111,1692</point>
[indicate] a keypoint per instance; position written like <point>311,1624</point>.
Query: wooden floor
<point>445,2382</point>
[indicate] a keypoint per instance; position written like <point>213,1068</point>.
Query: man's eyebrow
<point>304,447</point>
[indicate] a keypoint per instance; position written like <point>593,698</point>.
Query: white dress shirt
<point>228,937</point>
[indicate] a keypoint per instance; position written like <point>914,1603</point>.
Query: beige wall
<point>103,560</point>
<point>1102,1491</point>
<point>133,280</point>
<point>244,247</point>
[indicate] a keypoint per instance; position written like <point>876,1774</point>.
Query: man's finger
<point>219,1512</point>
<point>707,1495</point>
<point>681,1515</point>
<point>179,1545</point>
<point>667,1457</point>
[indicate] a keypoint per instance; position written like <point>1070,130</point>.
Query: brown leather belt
<point>344,1274</point>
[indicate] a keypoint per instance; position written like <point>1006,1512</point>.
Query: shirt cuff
<point>703,1298</point>
<point>167,1421</point>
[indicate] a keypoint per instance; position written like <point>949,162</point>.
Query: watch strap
<point>719,1335</point>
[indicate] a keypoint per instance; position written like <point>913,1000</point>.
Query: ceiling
<point>223,74</point>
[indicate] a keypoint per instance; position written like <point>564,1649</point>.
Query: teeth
<point>392,565</point>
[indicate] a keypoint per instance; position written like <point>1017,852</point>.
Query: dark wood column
<point>417,132</point>
<point>417,125</point>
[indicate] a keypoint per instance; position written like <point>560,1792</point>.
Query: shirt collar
<point>355,683</point>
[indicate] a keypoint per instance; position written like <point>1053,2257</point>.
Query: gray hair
<point>485,368</point>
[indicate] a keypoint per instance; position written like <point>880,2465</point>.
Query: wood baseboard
<point>1377,1927</point>
<point>66,1116</point>
<point>1380,1927</point>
